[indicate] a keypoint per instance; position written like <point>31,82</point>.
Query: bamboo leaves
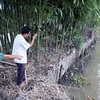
<point>55,20</point>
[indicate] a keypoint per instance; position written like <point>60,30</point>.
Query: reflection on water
<point>98,90</point>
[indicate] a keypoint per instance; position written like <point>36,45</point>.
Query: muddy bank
<point>43,77</point>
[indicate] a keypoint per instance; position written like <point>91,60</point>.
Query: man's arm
<point>32,42</point>
<point>12,57</point>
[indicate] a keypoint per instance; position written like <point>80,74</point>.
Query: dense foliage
<point>57,22</point>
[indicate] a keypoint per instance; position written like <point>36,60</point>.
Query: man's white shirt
<point>20,47</point>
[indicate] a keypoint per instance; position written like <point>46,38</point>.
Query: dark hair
<point>25,29</point>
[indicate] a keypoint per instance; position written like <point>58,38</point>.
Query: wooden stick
<point>26,78</point>
<point>3,62</point>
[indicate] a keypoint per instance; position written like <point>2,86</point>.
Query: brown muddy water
<point>92,74</point>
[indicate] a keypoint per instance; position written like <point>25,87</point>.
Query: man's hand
<point>19,57</point>
<point>35,35</point>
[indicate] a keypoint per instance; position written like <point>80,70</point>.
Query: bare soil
<point>37,72</point>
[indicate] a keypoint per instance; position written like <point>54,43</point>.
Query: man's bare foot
<point>22,84</point>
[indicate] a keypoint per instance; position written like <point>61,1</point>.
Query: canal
<point>92,75</point>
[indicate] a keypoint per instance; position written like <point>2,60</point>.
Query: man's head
<point>25,31</point>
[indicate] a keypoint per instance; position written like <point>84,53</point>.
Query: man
<point>7,56</point>
<point>20,47</point>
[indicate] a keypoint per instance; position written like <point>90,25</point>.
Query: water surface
<point>92,74</point>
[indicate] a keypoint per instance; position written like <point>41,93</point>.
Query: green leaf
<point>83,2</point>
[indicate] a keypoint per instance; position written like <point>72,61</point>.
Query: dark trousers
<point>20,73</point>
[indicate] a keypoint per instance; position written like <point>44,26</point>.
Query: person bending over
<point>20,47</point>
